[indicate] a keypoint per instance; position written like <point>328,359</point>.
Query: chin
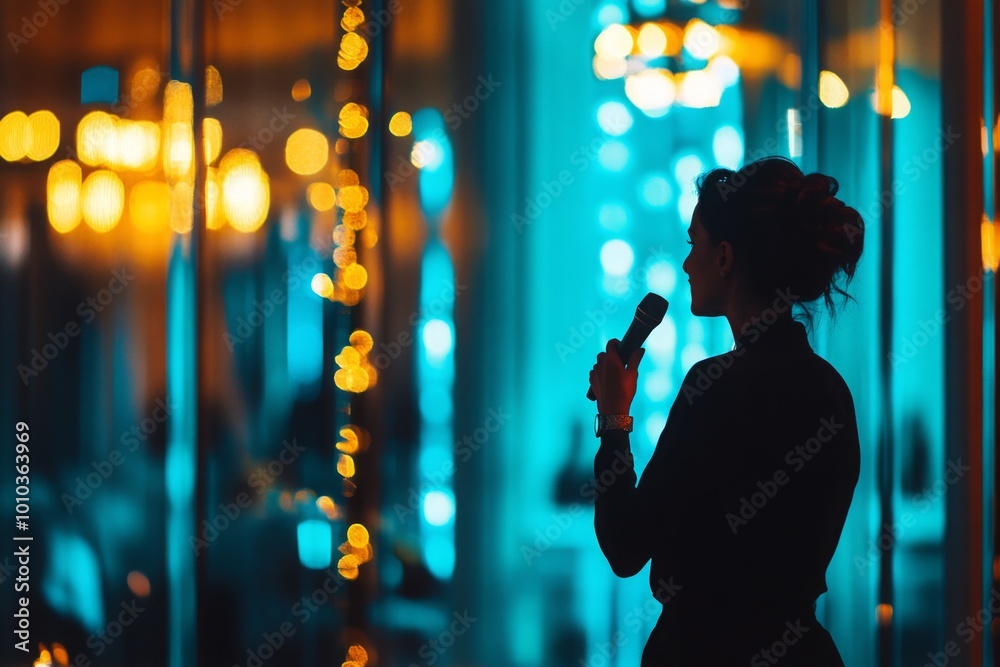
<point>697,307</point>
<point>699,310</point>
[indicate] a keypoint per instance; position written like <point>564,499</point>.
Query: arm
<point>629,518</point>
<point>619,508</point>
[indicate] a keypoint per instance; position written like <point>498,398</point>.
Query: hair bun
<point>816,190</point>
<point>831,232</point>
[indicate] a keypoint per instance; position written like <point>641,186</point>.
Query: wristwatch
<point>603,423</point>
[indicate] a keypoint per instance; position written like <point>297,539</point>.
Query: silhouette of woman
<point>743,501</point>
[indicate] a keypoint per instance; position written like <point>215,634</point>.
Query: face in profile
<point>702,268</point>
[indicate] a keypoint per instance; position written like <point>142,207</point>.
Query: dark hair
<point>788,227</point>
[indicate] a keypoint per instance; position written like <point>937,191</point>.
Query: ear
<point>726,257</point>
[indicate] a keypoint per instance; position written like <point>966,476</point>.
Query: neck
<point>744,313</point>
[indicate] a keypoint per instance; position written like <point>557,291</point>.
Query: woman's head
<point>768,228</point>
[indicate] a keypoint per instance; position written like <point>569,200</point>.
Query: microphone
<point>648,316</point>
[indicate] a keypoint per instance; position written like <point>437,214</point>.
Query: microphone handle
<point>632,341</point>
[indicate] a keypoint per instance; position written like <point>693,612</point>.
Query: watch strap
<point>604,423</point>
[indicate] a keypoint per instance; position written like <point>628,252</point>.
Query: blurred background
<point>299,302</point>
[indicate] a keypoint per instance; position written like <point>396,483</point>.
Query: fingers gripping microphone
<point>648,316</point>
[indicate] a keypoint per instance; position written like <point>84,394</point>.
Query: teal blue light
<point>437,177</point>
<point>662,342</point>
<point>437,338</point>
<point>661,277</point>
<point>685,207</point>
<point>989,344</point>
<point>727,146</point>
<point>611,13</point>
<point>655,190</point>
<point>613,155</point>
<point>179,459</point>
<point>658,387</point>
<point>691,354</point>
<point>690,62</point>
<point>315,544</point>
<point>437,292</point>
<point>305,346</point>
<point>72,584</point>
<point>435,361</point>
<point>434,456</point>
<point>657,420</point>
<point>305,330</point>
<point>614,118</point>
<point>989,394</point>
<point>438,508</point>
<point>439,552</point>
<point>617,257</point>
<point>650,8</point>
<point>687,169</point>
<point>180,465</point>
<point>99,85</point>
<point>726,69</point>
<point>612,216</point>
<point>614,285</point>
<point>918,265</point>
<point>435,358</point>
<point>435,404</point>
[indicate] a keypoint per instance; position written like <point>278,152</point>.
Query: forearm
<point>614,468</point>
<point>618,510</point>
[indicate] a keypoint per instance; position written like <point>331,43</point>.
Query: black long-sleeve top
<point>741,505</point>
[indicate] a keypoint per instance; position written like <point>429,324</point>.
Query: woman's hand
<point>614,383</point>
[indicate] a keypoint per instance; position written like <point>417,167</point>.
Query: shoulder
<point>709,372</point>
<point>827,379</point>
<point>713,367</point>
<point>832,400</point>
<point>714,384</point>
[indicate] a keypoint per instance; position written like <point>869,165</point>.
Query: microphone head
<point>651,310</point>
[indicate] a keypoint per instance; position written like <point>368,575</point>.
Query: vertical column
<point>962,100</point>
<point>812,38</point>
<point>184,456</point>
<point>885,75</point>
<point>989,264</point>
